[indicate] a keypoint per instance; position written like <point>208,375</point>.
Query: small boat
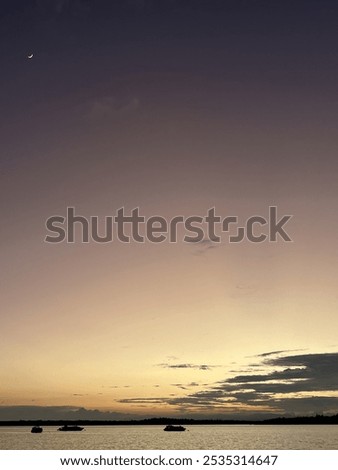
<point>70,428</point>
<point>171,428</point>
<point>36,429</point>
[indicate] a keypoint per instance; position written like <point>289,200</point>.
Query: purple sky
<point>172,106</point>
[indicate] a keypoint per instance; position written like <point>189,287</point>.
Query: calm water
<point>153,437</point>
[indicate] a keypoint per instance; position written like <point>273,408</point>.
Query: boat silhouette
<point>36,429</point>
<point>70,428</point>
<point>171,428</point>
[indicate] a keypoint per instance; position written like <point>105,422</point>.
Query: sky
<point>173,107</point>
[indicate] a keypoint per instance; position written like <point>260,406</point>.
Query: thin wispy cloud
<point>244,290</point>
<point>181,386</point>
<point>185,386</point>
<point>274,353</point>
<point>204,246</point>
<point>144,400</point>
<point>187,366</point>
<point>109,106</point>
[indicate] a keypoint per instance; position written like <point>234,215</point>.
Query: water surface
<point>153,437</point>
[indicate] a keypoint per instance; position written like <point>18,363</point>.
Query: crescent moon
<point>30,56</point>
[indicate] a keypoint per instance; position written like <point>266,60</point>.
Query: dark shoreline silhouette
<point>318,419</point>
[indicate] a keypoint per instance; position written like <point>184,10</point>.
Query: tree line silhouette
<point>317,419</point>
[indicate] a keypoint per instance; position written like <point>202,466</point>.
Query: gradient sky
<point>172,106</point>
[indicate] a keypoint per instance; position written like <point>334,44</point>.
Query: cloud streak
<point>8,413</point>
<point>110,106</point>
<point>296,384</point>
<point>187,366</point>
